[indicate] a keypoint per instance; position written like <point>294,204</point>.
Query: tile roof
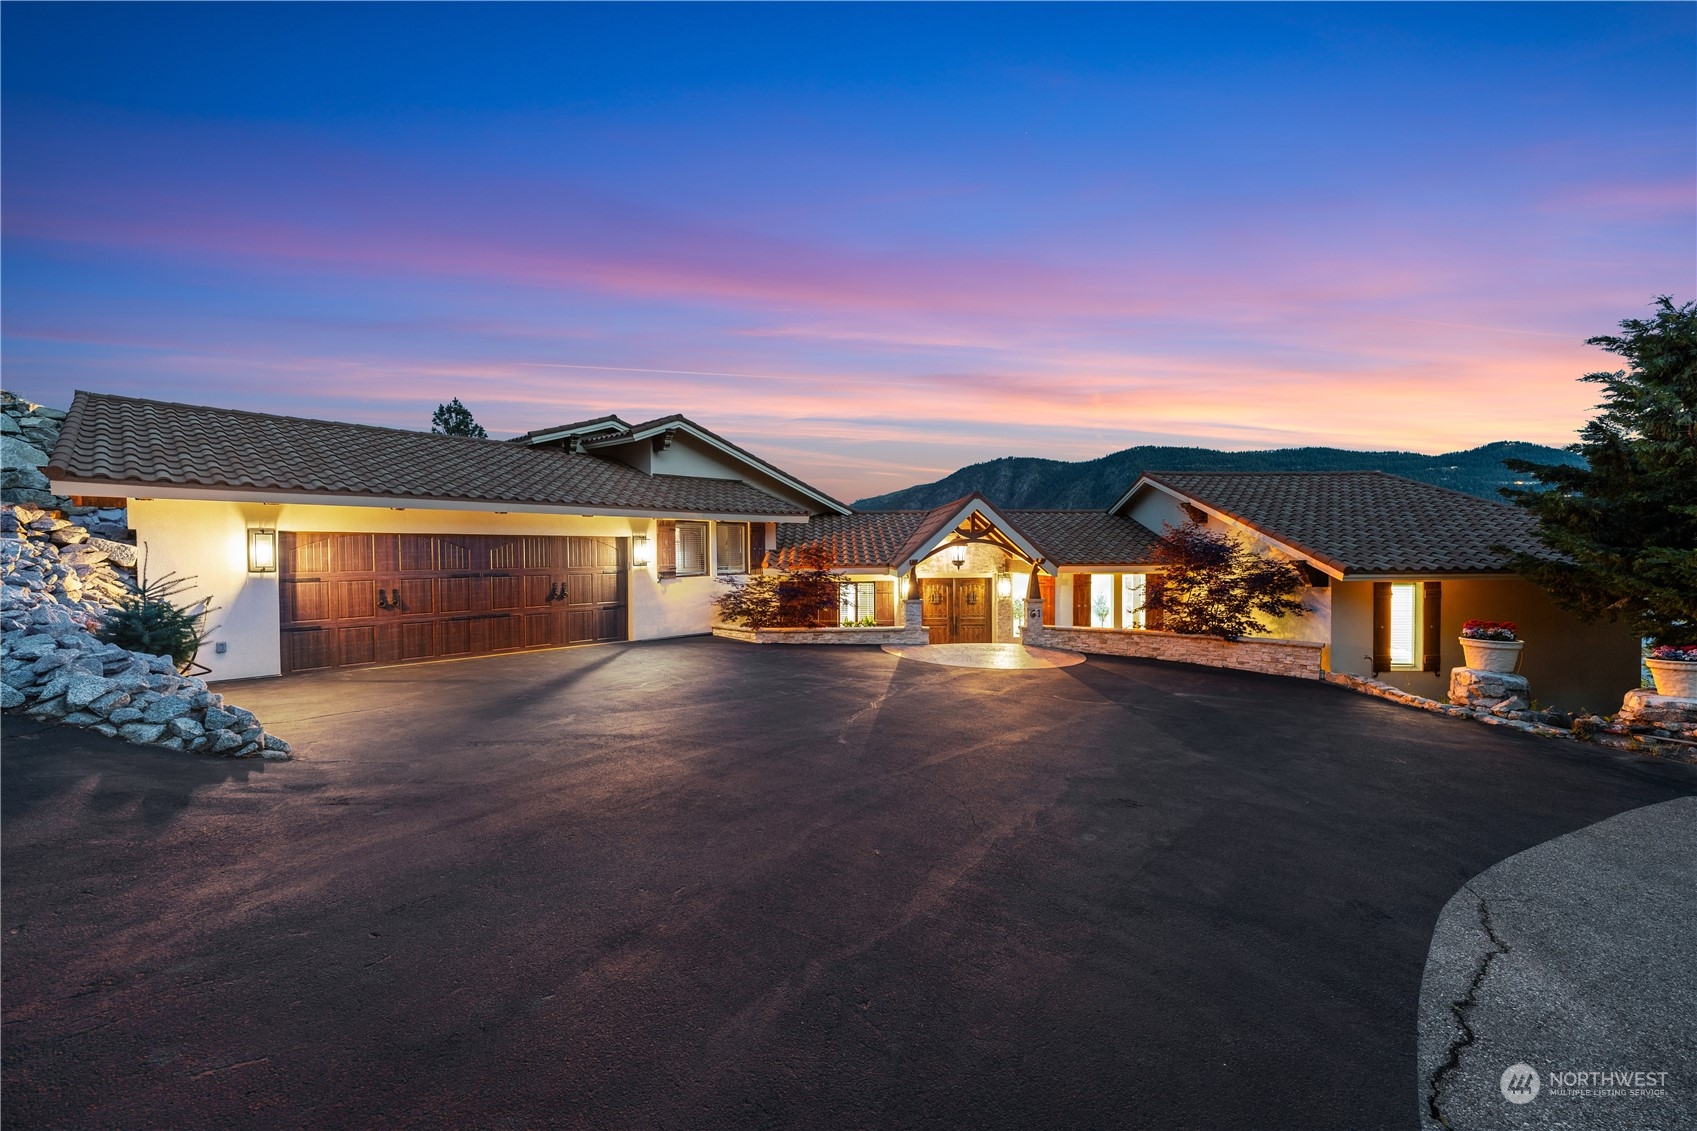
<point>1365,521</point>
<point>134,442</point>
<point>889,539</point>
<point>1086,537</point>
<point>869,538</point>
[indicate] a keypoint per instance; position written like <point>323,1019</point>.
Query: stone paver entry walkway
<point>1011,657</point>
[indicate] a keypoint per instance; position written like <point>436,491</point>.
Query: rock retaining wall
<point>1298,658</point>
<point>1623,732</point>
<point>58,585</point>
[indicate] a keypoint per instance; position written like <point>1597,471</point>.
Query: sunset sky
<point>870,243</point>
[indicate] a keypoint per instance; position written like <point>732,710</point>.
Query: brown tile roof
<point>127,441</point>
<point>1365,521</point>
<point>1085,537</point>
<point>871,538</point>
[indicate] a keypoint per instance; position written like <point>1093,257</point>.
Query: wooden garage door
<point>356,599</point>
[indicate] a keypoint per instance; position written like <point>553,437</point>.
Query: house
<point>325,544</point>
<point>329,545</point>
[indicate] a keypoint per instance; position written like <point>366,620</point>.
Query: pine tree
<point>1625,524</point>
<point>455,419</point>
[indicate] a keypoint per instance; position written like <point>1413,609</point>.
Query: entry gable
<point>972,519</point>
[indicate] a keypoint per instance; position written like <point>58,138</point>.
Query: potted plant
<point>1490,646</point>
<point>1674,668</point>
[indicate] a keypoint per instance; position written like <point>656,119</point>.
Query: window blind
<point>692,549</point>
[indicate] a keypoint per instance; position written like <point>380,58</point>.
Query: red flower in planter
<point>1488,630</point>
<point>1686,653</point>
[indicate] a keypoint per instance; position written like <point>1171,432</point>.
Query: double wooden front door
<point>957,610</point>
<point>356,599</point>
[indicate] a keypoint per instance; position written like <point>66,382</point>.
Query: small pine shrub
<point>150,621</point>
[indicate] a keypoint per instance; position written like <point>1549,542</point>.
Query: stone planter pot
<point>1674,677</point>
<point>1491,655</point>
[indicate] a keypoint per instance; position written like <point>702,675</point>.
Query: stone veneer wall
<point>1297,658</point>
<point>912,631</point>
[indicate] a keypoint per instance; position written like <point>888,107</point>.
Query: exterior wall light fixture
<point>957,556</point>
<point>639,555</point>
<point>262,551</point>
<point>1004,585</point>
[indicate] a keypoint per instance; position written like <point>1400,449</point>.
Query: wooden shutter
<point>1046,586</point>
<point>666,547</point>
<point>1081,600</point>
<point>1381,627</point>
<point>1432,616</point>
<point>884,603</point>
<point>831,617</point>
<point>759,536</point>
<point>1154,592</point>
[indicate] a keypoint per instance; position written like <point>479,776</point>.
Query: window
<point>1405,615</point>
<point>1101,600</point>
<point>691,549</point>
<point>857,603</point>
<point>1134,600</point>
<point>730,544</point>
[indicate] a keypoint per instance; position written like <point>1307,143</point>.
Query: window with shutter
<point>730,542</point>
<point>692,549</point>
<point>1046,587</point>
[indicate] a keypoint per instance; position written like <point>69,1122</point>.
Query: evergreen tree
<point>455,419</point>
<point>1625,524</point>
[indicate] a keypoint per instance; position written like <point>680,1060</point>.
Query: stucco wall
<point>1572,665</point>
<point>209,541</point>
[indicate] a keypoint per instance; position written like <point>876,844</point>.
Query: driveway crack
<point>1462,1008</point>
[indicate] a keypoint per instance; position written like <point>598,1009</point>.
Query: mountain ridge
<point>1031,482</point>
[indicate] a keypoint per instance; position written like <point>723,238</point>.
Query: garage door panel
<point>305,553</point>
<point>418,595</point>
<point>307,649</point>
<point>506,592</point>
<point>537,587</point>
<point>461,595</point>
<point>453,594</point>
<point>351,600</point>
<point>356,646</point>
<point>417,640</point>
<point>453,637</point>
<point>307,600</point>
<point>353,553</point>
<point>506,633</point>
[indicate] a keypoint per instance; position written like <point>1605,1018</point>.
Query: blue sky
<point>871,242</point>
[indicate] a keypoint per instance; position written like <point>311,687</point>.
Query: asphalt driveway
<point>703,884</point>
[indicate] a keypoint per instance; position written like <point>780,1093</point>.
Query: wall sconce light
<point>1004,585</point>
<point>957,556</point>
<point>262,551</point>
<point>639,555</point>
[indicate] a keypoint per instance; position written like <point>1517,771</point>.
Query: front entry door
<point>957,609</point>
